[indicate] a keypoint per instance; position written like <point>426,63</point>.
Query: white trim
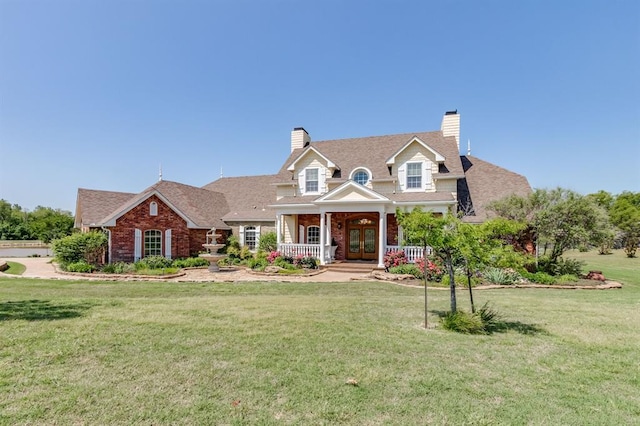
<point>167,243</point>
<point>137,244</point>
<point>439,157</point>
<point>361,169</point>
<point>111,220</point>
<point>330,164</point>
<point>352,186</point>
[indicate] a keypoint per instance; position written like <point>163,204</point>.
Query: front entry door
<point>363,241</point>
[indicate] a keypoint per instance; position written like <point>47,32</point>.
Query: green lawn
<point>15,268</point>
<point>258,353</point>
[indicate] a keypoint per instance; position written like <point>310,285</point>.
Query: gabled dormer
<point>311,169</point>
<point>414,164</point>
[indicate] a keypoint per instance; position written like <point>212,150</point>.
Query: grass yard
<point>15,268</point>
<point>176,353</point>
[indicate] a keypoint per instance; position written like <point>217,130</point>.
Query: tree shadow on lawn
<point>41,310</point>
<point>501,326</point>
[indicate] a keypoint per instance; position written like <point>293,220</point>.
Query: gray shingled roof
<point>93,205</point>
<point>486,182</point>
<point>374,151</point>
<point>203,208</point>
<point>248,197</point>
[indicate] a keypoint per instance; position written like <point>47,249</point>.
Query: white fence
<point>411,252</point>
<point>294,250</point>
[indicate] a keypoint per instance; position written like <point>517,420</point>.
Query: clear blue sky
<point>97,94</point>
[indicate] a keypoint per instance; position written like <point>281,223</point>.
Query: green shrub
<point>268,242</point>
<point>284,262</point>
<point>89,247</point>
<point>460,280</point>
<point>80,266</point>
<point>119,268</point>
<point>489,316</point>
<point>407,268</point>
<point>155,272</point>
<point>501,276</point>
<point>190,262</point>
<point>463,322</point>
<point>538,277</point>
<point>566,278</point>
<point>561,266</point>
<point>307,262</point>
<point>257,263</point>
<point>245,253</point>
<point>153,262</point>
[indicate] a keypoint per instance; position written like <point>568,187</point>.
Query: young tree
<point>436,231</point>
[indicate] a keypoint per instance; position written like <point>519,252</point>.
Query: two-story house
<point>331,199</point>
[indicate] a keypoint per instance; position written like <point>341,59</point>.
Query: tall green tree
<point>13,222</point>
<point>47,224</point>
<point>625,214</point>
<point>560,218</point>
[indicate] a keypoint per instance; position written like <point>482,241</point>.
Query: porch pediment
<point>351,192</point>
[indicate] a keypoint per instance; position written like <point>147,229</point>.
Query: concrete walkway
<point>41,267</point>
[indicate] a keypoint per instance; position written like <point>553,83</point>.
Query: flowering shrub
<point>394,258</point>
<point>271,257</point>
<point>305,262</point>
<point>433,271</point>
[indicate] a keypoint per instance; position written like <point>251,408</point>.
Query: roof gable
<point>311,149</point>
<point>199,207</point>
<point>439,157</point>
<point>351,192</point>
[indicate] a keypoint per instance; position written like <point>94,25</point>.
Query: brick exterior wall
<point>392,230</point>
<point>185,242</point>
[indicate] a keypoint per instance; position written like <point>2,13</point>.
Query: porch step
<point>344,266</point>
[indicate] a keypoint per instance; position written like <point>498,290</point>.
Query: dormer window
<point>361,177</point>
<point>153,209</point>
<point>311,180</point>
<point>414,175</point>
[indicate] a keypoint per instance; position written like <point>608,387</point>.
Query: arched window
<point>153,209</point>
<point>153,243</point>
<point>313,235</point>
<point>250,237</point>
<point>361,176</point>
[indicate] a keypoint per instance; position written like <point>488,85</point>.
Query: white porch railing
<point>411,252</point>
<point>294,250</point>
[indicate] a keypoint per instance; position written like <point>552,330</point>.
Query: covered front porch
<point>342,236</point>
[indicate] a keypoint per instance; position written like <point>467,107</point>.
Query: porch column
<point>382,237</point>
<point>323,237</point>
<point>279,230</point>
<point>327,242</point>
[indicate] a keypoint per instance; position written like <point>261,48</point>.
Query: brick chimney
<point>299,138</point>
<point>451,125</point>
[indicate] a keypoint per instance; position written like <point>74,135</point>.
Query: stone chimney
<point>299,138</point>
<point>451,125</point>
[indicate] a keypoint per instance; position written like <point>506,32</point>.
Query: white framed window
<point>250,237</point>
<point>153,209</point>
<point>361,176</point>
<point>311,180</point>
<point>152,243</point>
<point>313,234</point>
<point>414,175</point>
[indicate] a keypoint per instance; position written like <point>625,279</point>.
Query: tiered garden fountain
<point>212,246</point>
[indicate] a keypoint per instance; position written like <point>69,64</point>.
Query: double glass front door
<point>362,240</point>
